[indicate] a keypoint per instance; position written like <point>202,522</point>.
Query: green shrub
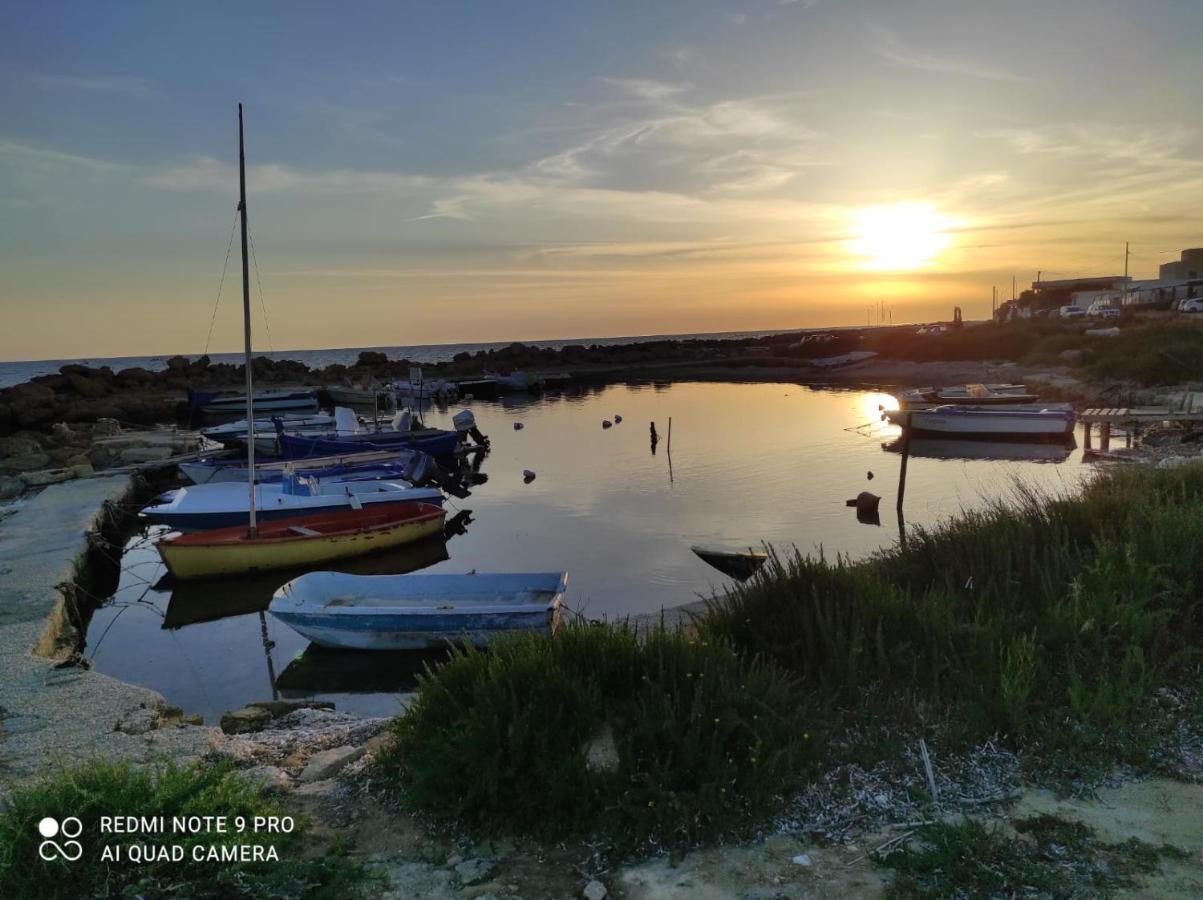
<point>705,742</point>
<point>103,788</point>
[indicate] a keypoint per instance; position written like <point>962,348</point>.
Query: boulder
<point>11,487</point>
<point>594,890</point>
<point>474,871</point>
<point>43,477</point>
<point>177,364</point>
<point>135,375</point>
<point>370,358</point>
<point>30,404</point>
<point>271,778</point>
<point>135,455</point>
<point>87,386</point>
<point>101,456</point>
<point>328,763</point>
<point>283,707</point>
<point>245,720</point>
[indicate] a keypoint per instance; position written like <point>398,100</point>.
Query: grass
<point>103,788</point>
<point>1031,612</point>
<point>1066,627</point>
<point>1048,857</point>
<point>705,741</point>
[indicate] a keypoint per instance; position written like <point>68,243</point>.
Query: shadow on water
<point>320,670</point>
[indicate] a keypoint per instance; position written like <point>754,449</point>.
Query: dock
<point>1132,419</point>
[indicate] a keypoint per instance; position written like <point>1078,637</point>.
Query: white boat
<point>411,612</point>
<point>350,396</point>
<point>968,394</point>
<point>1030,424</point>
<point>223,504</point>
<point>236,431</point>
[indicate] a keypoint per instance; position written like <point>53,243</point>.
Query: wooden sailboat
<point>314,535</point>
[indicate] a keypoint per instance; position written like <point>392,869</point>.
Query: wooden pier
<point>1132,419</point>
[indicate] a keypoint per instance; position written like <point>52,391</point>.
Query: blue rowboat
<point>204,506</point>
<point>412,612</point>
<point>430,440</point>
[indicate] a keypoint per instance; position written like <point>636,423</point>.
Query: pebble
<point>594,890</point>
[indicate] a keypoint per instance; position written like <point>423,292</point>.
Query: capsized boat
<point>311,539</point>
<point>223,504</point>
<point>945,421</point>
<point>216,470</point>
<point>410,612</point>
<point>262,401</point>
<point>739,564</point>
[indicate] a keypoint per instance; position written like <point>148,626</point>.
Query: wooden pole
<point>246,327</point>
<point>906,454</point>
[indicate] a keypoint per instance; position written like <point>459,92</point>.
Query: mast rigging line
<point>267,326</point>
<point>221,282</point>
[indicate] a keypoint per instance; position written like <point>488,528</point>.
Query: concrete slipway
<point>50,713</point>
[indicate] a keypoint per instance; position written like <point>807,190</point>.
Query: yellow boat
<point>306,540</point>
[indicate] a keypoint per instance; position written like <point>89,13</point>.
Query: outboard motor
<point>465,423</point>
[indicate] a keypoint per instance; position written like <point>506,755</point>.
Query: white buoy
<point>606,423</point>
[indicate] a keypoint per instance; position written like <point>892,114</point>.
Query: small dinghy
<point>1051,423</point>
<point>306,540</point>
<point>412,612</point>
<point>739,564</point>
<point>215,471</point>
<point>263,401</point>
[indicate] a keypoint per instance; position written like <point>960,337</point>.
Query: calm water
<point>749,463</point>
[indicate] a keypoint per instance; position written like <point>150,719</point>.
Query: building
<point>1162,293</point>
<point>1049,294</point>
<point>1188,267</point>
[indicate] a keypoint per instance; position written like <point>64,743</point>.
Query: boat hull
<point>988,424</point>
<point>221,471</point>
<point>265,402</point>
<point>210,554</point>
<point>415,632</point>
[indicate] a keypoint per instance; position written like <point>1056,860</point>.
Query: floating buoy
<point>518,427</point>
<point>528,476</point>
<point>870,476</point>
<point>606,423</point>
<point>617,419</point>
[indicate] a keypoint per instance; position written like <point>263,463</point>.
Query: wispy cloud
<point>646,89</point>
<point>123,85</point>
<point>889,46</point>
<point>205,172</point>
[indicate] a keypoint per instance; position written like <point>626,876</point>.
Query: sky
<point>450,172</point>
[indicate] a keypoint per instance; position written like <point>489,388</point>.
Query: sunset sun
<point>902,236</point>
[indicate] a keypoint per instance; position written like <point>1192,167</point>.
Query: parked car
<point>1107,312</point>
<point>1072,312</point>
<point>1194,305</point>
<point>1099,307</point>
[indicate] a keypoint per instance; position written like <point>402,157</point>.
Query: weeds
<point>103,788</point>
<point>699,742</point>
<point>1049,857</point>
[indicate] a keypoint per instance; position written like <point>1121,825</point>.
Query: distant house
<point>1061,292</point>
<point>1188,267</point>
<point>1164,293</point>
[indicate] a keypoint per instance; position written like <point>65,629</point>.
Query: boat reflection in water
<point>322,671</point>
<point>952,448</point>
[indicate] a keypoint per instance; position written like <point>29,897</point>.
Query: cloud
<point>205,173</point>
<point>122,85</point>
<point>645,89</point>
<point>890,46</point>
<point>43,157</point>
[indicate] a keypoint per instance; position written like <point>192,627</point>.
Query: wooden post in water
<point>1105,436</point>
<point>906,454</point>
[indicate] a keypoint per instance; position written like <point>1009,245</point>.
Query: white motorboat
<point>1029,424</point>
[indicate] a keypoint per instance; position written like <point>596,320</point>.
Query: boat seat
<point>302,530</point>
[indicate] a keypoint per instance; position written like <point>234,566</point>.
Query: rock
<point>135,375</point>
<point>617,419</point>
<point>11,486</point>
<point>139,721</point>
<point>177,364</point>
<point>802,859</point>
<point>44,477</point>
<point>145,454</point>
<point>601,752</point>
<point>474,871</point>
<point>271,778</point>
<point>518,426</point>
<point>369,358</point>
<point>328,763</point>
<point>88,387</point>
<point>528,476</point>
<point>23,462</point>
<point>283,707</point>
<point>606,423</point>
<point>30,404</point>
<point>379,743</point>
<point>106,426</point>
<point>100,457</point>
<point>594,890</point>
<point>192,719</point>
<point>245,720</point>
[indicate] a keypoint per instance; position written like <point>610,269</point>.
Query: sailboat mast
<point>246,326</point>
